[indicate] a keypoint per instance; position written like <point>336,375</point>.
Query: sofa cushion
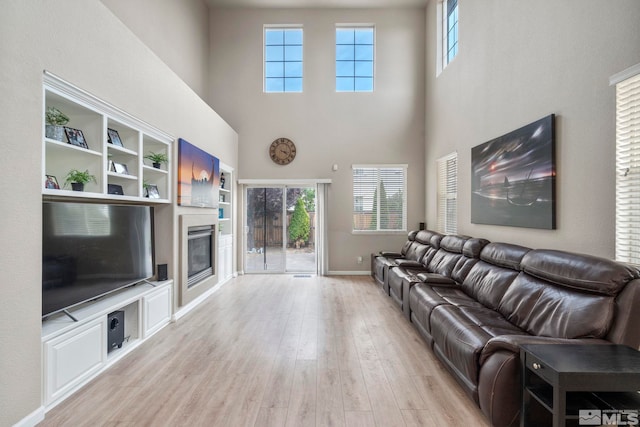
<point>541,308</point>
<point>445,259</point>
<point>473,247</point>
<point>489,279</point>
<point>428,237</point>
<point>487,283</point>
<point>423,298</point>
<point>577,271</point>
<point>416,251</point>
<point>461,332</point>
<point>471,255</point>
<point>504,255</point>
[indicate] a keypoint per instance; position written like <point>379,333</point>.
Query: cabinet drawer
<point>73,357</point>
<point>539,368</point>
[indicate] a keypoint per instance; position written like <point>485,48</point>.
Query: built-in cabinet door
<point>157,310</point>
<point>225,257</point>
<point>73,357</point>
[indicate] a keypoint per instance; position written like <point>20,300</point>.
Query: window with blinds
<point>628,166</point>
<point>379,198</point>
<point>447,194</point>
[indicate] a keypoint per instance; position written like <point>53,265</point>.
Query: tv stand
<point>148,282</point>
<point>70,315</point>
<point>75,341</point>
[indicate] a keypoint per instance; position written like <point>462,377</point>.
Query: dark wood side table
<point>558,376</point>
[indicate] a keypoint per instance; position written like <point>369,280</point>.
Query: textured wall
<point>386,126</point>
<point>519,61</point>
<point>176,31</point>
<point>84,43</point>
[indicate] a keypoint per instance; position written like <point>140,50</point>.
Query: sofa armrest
<point>512,343</point>
<point>434,278</point>
<point>409,263</point>
<point>388,254</point>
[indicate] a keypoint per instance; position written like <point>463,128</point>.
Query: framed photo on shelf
<point>151,191</point>
<point>120,168</point>
<point>51,182</point>
<point>114,138</point>
<point>75,137</point>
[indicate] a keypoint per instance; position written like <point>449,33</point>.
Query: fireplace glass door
<point>280,230</point>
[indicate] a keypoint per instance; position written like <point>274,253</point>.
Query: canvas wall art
<point>513,178</point>
<point>198,176</point>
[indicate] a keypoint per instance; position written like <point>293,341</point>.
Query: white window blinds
<point>628,169</point>
<point>447,202</point>
<point>379,198</point>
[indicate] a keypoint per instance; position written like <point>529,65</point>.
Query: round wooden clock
<point>282,151</point>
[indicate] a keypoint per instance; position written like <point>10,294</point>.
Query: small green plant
<point>157,157</point>
<point>79,177</point>
<point>55,117</point>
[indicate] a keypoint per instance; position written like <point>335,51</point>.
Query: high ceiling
<point>317,3</point>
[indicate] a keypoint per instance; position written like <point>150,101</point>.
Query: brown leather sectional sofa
<point>475,302</point>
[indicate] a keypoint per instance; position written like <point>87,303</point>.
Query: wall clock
<point>282,151</point>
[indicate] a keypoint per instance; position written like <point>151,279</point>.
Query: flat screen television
<point>92,249</point>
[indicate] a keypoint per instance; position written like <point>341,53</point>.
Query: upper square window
<point>283,59</point>
<point>354,59</point>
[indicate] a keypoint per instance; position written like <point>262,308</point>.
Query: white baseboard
<point>32,419</point>
<point>196,302</point>
<point>349,273</point>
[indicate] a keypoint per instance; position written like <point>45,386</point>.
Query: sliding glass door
<point>280,229</point>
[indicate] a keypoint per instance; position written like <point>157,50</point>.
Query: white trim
<point>624,75</point>
<point>32,419</point>
<point>283,26</point>
<point>381,165</point>
<point>57,85</point>
<point>350,273</point>
<point>183,311</point>
<point>268,182</point>
<point>359,25</point>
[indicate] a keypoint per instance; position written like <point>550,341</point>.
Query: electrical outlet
<point>359,260</point>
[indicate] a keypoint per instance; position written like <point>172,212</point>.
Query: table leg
<point>559,407</point>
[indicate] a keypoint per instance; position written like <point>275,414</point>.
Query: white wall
<point>176,31</point>
<point>84,43</point>
<point>520,61</point>
<point>386,126</point>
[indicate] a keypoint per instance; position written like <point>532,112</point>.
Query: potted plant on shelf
<point>55,120</point>
<point>78,179</point>
<point>157,159</point>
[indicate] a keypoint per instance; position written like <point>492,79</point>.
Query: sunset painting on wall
<point>198,176</point>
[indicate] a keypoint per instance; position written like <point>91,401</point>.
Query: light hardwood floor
<point>276,350</point>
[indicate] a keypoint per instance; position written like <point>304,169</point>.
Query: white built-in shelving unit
<point>75,351</point>
<point>94,117</point>
<point>225,225</point>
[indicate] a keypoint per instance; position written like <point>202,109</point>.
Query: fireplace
<point>198,249</point>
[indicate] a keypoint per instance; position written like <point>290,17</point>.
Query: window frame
<point>443,30</point>
<point>357,200</point>
<point>447,222</point>
<point>283,27</point>
<point>370,26</point>
<point>627,164</point>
